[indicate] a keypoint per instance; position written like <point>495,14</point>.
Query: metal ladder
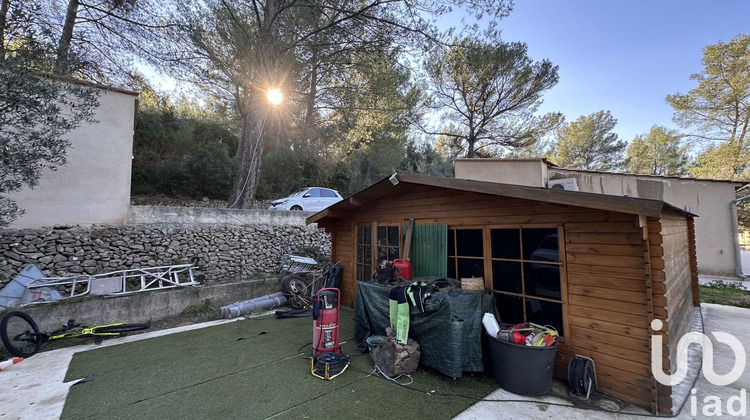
<point>118,282</point>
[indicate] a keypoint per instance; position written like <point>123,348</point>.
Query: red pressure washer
<point>326,322</point>
<point>327,360</point>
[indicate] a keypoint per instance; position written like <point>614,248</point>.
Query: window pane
<point>451,242</point>
<point>392,253</point>
<point>469,243</point>
<point>545,313</point>
<point>542,280</point>
<point>360,254</point>
<point>367,235</point>
<point>452,268</point>
<point>506,276</point>
<point>327,193</point>
<point>506,243</point>
<point>314,192</point>
<point>382,230</point>
<point>382,254</point>
<point>540,245</point>
<point>510,308</point>
<point>470,268</point>
<point>393,235</point>
<point>367,251</point>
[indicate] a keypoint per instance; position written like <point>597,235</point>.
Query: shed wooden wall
<point>606,263</point>
<point>608,308</point>
<point>674,274</point>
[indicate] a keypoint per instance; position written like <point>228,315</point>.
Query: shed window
<point>465,253</point>
<point>384,244</point>
<point>526,275</point>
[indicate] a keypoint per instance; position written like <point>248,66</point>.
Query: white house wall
<point>529,172</point>
<point>705,198</point>
<point>94,186</point>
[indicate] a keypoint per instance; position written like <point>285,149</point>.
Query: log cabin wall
<point>606,273</point>
<point>674,272</point>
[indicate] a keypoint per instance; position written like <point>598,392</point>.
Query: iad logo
<point>708,357</point>
<point>712,404</point>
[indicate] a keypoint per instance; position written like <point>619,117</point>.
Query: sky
<point>623,56</point>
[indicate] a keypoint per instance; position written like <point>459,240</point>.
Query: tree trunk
<point>265,75</point>
<point>250,151</point>
<point>62,61</point>
<point>3,16</point>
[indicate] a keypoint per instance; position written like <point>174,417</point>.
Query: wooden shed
<point>598,268</point>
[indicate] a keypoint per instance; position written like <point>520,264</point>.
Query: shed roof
<point>374,192</point>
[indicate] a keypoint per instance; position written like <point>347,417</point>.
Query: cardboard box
<point>473,283</point>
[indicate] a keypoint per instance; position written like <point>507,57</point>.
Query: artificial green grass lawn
<point>250,369</point>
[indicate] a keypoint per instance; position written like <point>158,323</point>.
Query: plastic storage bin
<point>523,370</point>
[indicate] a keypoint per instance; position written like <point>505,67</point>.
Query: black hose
<point>581,376</point>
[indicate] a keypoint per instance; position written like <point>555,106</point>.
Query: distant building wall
<point>530,172</point>
<point>94,186</point>
<point>709,199</point>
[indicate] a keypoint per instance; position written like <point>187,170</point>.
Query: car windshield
<point>299,193</point>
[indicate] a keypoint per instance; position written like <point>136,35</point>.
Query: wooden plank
<point>625,342</point>
<point>627,250</point>
<point>607,271</point>
<point>656,251</point>
<point>407,242</point>
<point>634,285</point>
<point>610,294</point>
<point>613,305</point>
<point>657,263</point>
<point>604,238</point>
<point>617,227</point>
<point>606,260</point>
<point>609,328</point>
<point>628,319</point>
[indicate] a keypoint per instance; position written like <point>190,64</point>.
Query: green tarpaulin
<point>449,332</point>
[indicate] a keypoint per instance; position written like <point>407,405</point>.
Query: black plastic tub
<point>523,370</point>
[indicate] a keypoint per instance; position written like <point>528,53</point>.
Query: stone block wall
<point>227,252</point>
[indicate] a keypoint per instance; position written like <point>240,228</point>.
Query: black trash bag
<point>333,276</point>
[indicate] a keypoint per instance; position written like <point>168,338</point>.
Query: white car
<point>307,199</point>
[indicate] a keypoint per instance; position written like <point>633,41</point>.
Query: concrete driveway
<point>34,389</point>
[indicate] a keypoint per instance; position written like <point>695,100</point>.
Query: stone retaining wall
<point>227,252</point>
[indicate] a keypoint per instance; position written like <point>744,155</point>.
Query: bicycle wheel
<point>120,328</point>
<point>20,334</point>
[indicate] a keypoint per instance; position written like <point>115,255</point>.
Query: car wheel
<point>298,208</point>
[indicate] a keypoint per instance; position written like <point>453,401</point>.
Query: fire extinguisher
<point>326,322</point>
